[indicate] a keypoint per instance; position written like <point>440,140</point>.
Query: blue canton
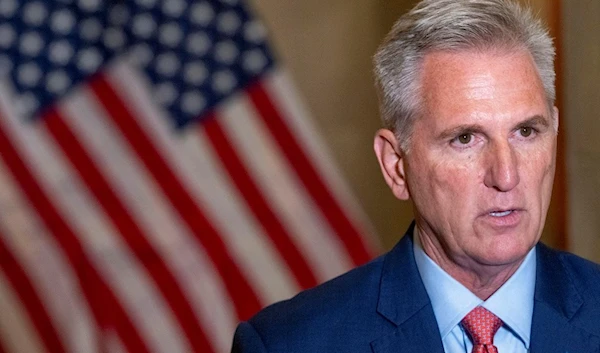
<point>195,53</point>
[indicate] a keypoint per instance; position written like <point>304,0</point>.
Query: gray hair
<point>452,25</point>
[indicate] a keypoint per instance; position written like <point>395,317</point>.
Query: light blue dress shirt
<point>451,301</point>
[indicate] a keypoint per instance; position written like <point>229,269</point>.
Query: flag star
<point>254,61</point>
<point>57,82</point>
<point>144,25</point>
<point>174,8</point>
<point>89,5</point>
<point>223,81</point>
<point>228,22</point>
<point>29,74</point>
<point>118,15</point>
<point>8,8</point>
<point>170,34</point>
<point>198,43</point>
<point>195,73</point>
<point>167,64</point>
<point>90,29</point>
<point>255,32</point>
<point>60,52</point>
<point>226,52</point>
<point>62,22</point>
<point>165,93</point>
<point>35,13</point>
<point>7,36</point>
<point>31,43</point>
<point>114,38</point>
<point>141,54</point>
<point>192,103</point>
<point>88,60</point>
<point>27,103</point>
<point>202,14</point>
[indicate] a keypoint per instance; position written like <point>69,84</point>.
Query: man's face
<point>481,162</point>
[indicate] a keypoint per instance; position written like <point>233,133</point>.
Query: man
<point>467,97</point>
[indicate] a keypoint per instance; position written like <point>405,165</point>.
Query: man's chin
<point>503,255</point>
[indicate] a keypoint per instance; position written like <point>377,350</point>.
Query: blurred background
<point>169,167</point>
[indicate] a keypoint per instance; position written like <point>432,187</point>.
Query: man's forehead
<point>460,87</point>
<point>479,74</point>
<point>442,63</point>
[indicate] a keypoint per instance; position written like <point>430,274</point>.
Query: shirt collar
<point>513,302</point>
<point>451,301</point>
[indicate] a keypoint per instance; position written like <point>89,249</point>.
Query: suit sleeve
<point>247,340</point>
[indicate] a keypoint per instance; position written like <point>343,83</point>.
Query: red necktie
<point>482,326</point>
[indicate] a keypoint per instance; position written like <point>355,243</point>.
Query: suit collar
<point>404,302</point>
<point>557,300</point>
<point>402,292</point>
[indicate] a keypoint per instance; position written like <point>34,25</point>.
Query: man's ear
<point>390,159</point>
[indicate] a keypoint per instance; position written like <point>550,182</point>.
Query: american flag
<point>159,178</point>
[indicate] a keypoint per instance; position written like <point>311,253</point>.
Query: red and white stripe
<point>126,234</point>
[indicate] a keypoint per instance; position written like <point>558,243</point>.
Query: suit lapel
<point>557,300</point>
<point>418,333</point>
<point>404,302</point>
<point>553,333</point>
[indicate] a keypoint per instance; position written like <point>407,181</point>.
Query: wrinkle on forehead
<point>481,87</point>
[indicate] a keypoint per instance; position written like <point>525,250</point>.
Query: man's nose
<point>502,171</point>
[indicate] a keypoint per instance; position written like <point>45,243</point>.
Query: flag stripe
<point>245,299</point>
<point>283,190</point>
<point>29,298</point>
<point>92,285</point>
<point>113,344</point>
<point>160,223</point>
<point>193,160</point>
<point>16,327</point>
<point>241,178</point>
<point>286,100</point>
<point>305,170</point>
<point>42,260</point>
<point>99,239</point>
<point>129,230</point>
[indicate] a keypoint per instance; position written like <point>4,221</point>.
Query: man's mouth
<point>501,213</point>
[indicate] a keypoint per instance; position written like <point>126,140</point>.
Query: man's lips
<point>501,211</point>
<point>503,217</point>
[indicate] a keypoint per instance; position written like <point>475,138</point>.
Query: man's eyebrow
<point>536,120</point>
<point>459,130</point>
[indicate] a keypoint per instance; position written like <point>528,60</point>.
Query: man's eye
<point>465,139</point>
<point>526,131</point>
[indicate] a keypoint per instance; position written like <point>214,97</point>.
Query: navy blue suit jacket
<point>383,307</point>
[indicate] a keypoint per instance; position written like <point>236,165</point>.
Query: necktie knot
<point>482,325</point>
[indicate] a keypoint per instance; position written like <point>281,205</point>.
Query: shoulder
<point>584,277</point>
<point>584,274</point>
<point>319,319</point>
